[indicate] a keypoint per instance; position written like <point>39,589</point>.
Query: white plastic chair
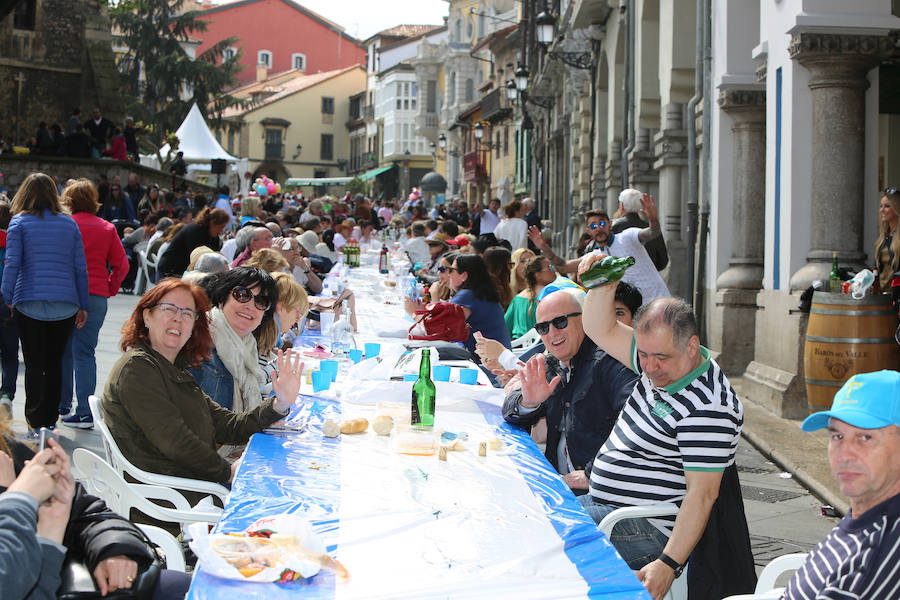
<point>678,591</point>
<point>765,585</point>
<point>144,282</point>
<point>122,465</point>
<point>170,546</point>
<point>526,340</point>
<point>102,480</point>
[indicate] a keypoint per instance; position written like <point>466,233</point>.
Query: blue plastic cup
<point>410,377</point>
<point>468,376</point>
<point>372,349</point>
<point>321,381</point>
<point>440,373</point>
<point>330,367</point>
<point>356,356</point>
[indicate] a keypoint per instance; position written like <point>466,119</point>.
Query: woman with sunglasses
<point>887,246</point>
<point>243,299</point>
<point>160,418</point>
<point>440,289</point>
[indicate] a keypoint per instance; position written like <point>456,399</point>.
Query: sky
<point>363,18</point>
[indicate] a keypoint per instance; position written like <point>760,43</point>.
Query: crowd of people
<point>613,380</point>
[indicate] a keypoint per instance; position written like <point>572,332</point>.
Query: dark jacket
<point>164,423</point>
<point>215,380</point>
<point>177,256</point>
<point>722,562</point>
<point>99,132</point>
<point>586,407</point>
<point>94,532</point>
<point>656,247</point>
<point>534,219</point>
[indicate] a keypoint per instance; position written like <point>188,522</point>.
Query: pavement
<point>785,477</point>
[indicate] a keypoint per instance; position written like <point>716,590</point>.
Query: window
<point>25,16</point>
<point>355,107</point>
<point>327,150</point>
<point>497,145</point>
<point>431,96</point>
<point>327,105</point>
<point>229,53</point>
<point>231,141</point>
<point>470,90</point>
<point>264,57</point>
<point>506,141</point>
<point>451,93</point>
<point>320,173</point>
<point>274,147</point>
<point>298,61</point>
<point>457,28</point>
<point>219,136</point>
<point>470,29</point>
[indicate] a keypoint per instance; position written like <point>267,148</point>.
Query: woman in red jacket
<point>107,266</point>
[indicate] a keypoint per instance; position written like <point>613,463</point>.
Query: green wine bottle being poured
<point>607,270</point>
<point>423,395</point>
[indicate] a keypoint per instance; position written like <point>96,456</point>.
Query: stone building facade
<point>55,55</point>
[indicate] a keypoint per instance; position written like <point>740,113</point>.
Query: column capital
<point>741,99</point>
<point>762,70</point>
<point>826,50</point>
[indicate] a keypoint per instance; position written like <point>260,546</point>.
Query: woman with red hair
<point>159,416</point>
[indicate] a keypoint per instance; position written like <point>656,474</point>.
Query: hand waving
<point>648,207</point>
<point>286,383</point>
<point>534,234</point>
<point>535,387</point>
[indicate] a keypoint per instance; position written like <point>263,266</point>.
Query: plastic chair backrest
<point>122,465</point>
<point>170,546</point>
<point>777,567</point>
<point>526,340</point>
<point>678,591</point>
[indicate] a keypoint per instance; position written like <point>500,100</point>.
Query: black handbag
<point>78,583</point>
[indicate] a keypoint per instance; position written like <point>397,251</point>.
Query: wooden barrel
<point>845,337</point>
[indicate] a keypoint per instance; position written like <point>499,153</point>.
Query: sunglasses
<point>443,269</point>
<point>170,310</point>
<point>890,191</point>
<point>600,223</point>
<point>244,295</point>
<point>560,322</point>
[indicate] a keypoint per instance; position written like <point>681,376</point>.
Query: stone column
<point>670,146</point>
<point>643,176</point>
<point>838,65</point>
<point>613,175</point>
<point>740,283</point>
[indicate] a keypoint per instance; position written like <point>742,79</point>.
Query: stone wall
<point>16,167</point>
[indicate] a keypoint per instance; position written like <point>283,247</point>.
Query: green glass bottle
<point>606,271</point>
<point>423,395</point>
<point>834,280</point>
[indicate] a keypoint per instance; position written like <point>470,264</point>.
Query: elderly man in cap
<point>860,557</point>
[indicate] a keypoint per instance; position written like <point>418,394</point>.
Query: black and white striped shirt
<point>692,424</point>
<point>859,558</point>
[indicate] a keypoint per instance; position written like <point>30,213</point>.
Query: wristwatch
<point>671,563</point>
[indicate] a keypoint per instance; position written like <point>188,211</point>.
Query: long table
<point>502,525</point>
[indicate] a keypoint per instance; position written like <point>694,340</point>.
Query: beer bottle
<point>834,280</point>
<point>607,270</point>
<point>423,395</point>
<point>384,260</point>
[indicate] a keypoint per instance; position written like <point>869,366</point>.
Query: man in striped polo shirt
<point>860,557</point>
<point>673,439</point>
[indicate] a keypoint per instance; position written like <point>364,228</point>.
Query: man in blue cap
<point>860,557</point>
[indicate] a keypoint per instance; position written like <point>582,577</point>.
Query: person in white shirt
<point>416,247</point>
<point>490,218</point>
<point>513,227</point>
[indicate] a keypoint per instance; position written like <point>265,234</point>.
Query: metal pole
<point>692,155</point>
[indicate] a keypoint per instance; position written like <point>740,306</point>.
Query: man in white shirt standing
<point>490,218</point>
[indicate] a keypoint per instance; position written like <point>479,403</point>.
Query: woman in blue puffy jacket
<point>45,283</point>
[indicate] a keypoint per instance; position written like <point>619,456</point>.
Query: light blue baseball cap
<point>866,400</point>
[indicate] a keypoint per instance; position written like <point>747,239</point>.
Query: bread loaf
<point>354,426</point>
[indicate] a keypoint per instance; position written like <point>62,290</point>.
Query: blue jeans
<point>637,540</point>
<point>9,351</point>
<point>78,359</point>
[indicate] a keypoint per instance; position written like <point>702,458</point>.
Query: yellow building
<point>294,124</point>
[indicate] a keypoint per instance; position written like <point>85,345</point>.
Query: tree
<point>158,73</point>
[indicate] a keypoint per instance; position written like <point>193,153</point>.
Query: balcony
<point>426,125</point>
<point>474,168</point>
<point>369,160</point>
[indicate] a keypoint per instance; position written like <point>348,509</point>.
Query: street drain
<point>759,494</point>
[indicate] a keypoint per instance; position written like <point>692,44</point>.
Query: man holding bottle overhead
<point>673,440</point>
<point>630,242</point>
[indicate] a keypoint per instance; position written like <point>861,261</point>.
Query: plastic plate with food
<point>280,548</point>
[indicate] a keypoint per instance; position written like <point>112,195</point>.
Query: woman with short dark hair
<point>107,267</point>
<point>242,299</point>
<point>204,231</point>
<point>46,282</point>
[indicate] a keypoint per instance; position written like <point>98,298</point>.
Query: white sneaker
<point>6,409</point>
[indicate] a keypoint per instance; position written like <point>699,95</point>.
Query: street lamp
<point>478,130</point>
<point>442,141</point>
<point>512,92</point>
<point>522,78</point>
<point>544,25</point>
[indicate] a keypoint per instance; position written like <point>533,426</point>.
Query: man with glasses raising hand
<point>630,242</point>
<point>577,386</point>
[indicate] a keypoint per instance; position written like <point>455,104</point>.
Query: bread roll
<point>331,429</point>
<point>354,426</point>
<point>382,425</point>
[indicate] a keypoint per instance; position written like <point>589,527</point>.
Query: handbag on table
<point>443,321</point>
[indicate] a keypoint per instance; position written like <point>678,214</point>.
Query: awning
<point>316,182</point>
<point>372,174</point>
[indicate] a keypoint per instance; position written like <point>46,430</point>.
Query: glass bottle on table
<point>834,279</point>
<point>423,395</point>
